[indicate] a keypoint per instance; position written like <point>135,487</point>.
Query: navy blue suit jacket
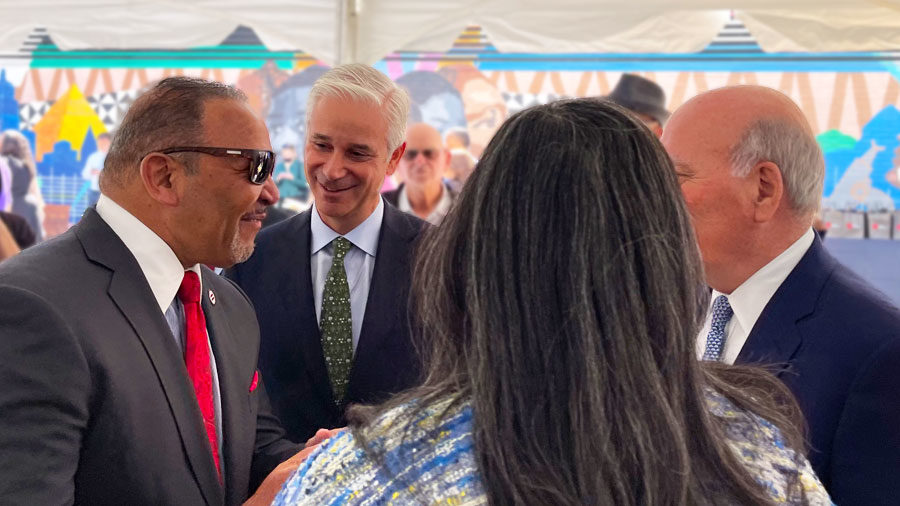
<point>838,341</point>
<point>277,279</point>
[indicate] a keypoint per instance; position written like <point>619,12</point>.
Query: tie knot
<point>722,311</point>
<point>341,247</point>
<point>189,291</point>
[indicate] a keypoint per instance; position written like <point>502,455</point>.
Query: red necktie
<point>196,356</point>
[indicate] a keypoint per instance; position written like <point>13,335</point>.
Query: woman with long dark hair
<point>27,200</point>
<point>560,302</point>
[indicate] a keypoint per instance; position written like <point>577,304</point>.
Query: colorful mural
<point>62,100</point>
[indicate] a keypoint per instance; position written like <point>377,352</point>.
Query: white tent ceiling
<point>367,30</point>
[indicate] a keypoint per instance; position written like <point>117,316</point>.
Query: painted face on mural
<point>434,100</point>
<point>442,111</point>
<point>485,112</point>
<point>286,119</point>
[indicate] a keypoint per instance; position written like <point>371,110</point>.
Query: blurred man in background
<point>424,192</point>
<point>289,176</point>
<point>643,98</point>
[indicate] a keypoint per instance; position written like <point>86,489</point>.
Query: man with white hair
<point>331,285</point>
<point>752,174</point>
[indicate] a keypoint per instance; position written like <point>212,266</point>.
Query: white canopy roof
<point>367,30</point>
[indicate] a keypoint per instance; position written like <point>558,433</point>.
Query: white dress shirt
<point>440,210</point>
<point>749,299</point>
<point>359,263</point>
<point>164,273</point>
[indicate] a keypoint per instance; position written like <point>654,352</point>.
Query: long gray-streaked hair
<point>562,297</point>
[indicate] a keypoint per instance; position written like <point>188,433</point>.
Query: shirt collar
<point>443,206</point>
<point>364,236</point>
<point>157,261</point>
<point>750,298</point>
<point>440,209</point>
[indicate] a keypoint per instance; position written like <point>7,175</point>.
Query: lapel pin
<point>212,297</point>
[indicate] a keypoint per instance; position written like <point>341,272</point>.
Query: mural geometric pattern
<point>31,113</point>
<point>111,107</point>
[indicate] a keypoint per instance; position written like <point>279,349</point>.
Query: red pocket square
<point>255,381</point>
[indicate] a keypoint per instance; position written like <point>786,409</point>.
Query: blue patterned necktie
<point>335,322</point>
<point>715,340</point>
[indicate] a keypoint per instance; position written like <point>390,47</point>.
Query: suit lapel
<point>777,335</point>
<point>131,293</point>
<point>234,382</point>
<point>774,339</point>
<point>389,283</point>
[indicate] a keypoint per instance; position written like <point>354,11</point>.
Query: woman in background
<point>27,201</point>
<point>560,302</point>
<point>5,186</point>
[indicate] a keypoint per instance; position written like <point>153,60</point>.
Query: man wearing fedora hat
<point>644,98</point>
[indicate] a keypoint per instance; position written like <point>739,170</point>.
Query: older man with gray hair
<point>330,285</point>
<point>752,174</point>
<point>423,193</point>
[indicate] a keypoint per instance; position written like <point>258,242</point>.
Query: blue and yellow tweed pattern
<point>430,459</point>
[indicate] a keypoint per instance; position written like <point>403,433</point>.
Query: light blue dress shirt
<point>359,262</point>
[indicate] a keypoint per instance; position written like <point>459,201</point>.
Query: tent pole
<point>348,29</point>
<point>339,35</point>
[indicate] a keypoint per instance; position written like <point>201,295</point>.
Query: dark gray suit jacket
<point>96,404</point>
<point>279,282</point>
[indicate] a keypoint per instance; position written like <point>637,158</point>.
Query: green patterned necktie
<point>335,323</point>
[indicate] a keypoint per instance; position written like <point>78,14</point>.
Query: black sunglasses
<point>262,162</point>
<point>411,154</point>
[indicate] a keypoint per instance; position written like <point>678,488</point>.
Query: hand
<point>322,435</point>
<point>284,175</point>
<point>269,488</point>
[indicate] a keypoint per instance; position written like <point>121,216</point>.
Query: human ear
<point>447,156</point>
<point>769,189</point>
<point>160,175</point>
<point>395,159</point>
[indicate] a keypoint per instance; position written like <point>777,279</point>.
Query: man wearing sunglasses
<point>331,285</point>
<point>129,369</point>
<point>423,193</point>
